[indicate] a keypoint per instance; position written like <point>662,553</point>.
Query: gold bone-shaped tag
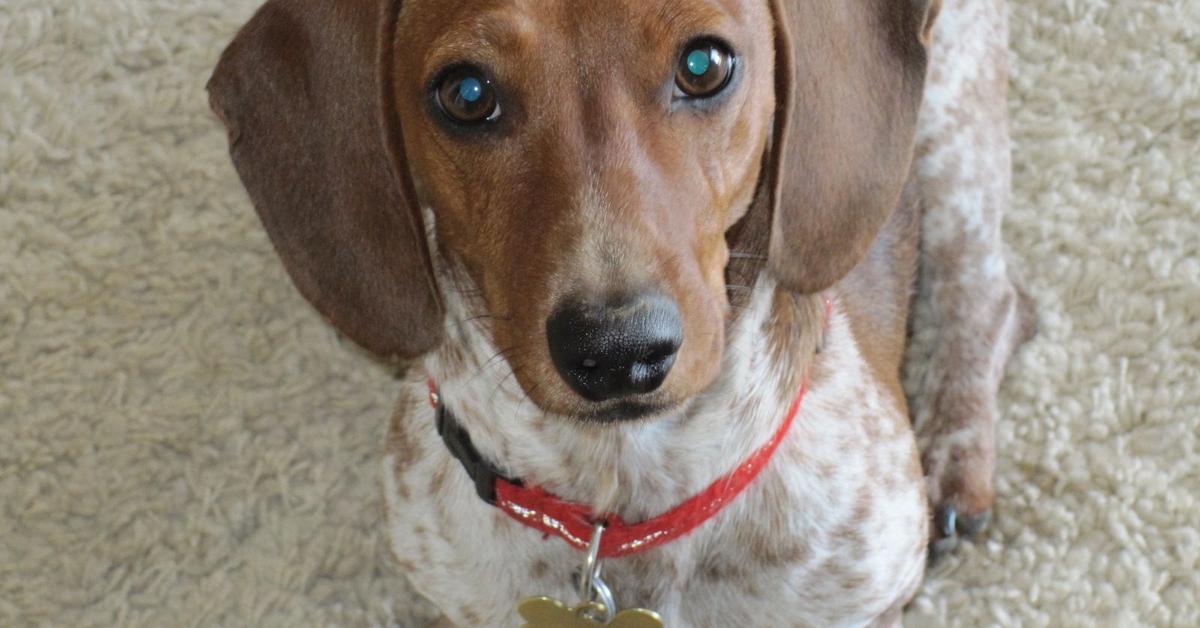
<point>544,612</point>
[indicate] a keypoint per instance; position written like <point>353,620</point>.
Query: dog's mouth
<point>628,410</point>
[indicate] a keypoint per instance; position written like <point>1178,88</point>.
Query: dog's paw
<point>950,529</point>
<point>959,466</point>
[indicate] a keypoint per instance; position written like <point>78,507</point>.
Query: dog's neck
<point>636,469</point>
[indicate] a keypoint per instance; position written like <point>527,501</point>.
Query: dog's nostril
<point>653,357</point>
<point>608,351</point>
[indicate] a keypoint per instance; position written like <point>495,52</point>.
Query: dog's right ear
<point>305,93</point>
<point>850,77</point>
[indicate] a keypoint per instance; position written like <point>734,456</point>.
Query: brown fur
<point>592,184</point>
<point>588,185</point>
<point>570,204</point>
<point>312,149</point>
<point>829,212</point>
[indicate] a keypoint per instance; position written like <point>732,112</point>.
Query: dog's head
<point>585,164</point>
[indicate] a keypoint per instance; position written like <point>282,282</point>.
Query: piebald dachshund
<point>651,263</point>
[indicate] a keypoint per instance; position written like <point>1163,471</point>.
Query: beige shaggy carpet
<point>183,442</point>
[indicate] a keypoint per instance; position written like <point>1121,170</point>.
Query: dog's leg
<point>978,308</point>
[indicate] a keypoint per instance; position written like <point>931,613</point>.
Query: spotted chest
<point>832,533</point>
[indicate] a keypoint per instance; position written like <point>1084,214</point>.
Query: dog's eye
<point>466,96</point>
<point>704,68</point>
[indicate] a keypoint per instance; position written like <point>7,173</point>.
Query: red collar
<point>541,510</point>
<point>573,522</point>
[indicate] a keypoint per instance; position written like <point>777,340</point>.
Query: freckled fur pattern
<point>982,314</point>
<point>382,229</point>
<point>818,539</point>
<point>834,532</point>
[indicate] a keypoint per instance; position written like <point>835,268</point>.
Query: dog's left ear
<point>849,81</point>
<point>305,91</point>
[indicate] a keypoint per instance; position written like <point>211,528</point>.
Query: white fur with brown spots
<point>821,538</point>
<point>979,309</point>
<point>834,532</point>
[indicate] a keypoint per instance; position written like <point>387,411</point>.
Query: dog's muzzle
<point>619,348</point>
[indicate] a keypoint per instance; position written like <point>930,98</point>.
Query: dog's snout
<point>615,349</point>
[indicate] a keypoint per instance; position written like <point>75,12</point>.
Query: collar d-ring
<point>592,587</point>
<point>591,564</point>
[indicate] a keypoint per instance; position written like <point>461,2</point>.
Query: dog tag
<point>544,612</point>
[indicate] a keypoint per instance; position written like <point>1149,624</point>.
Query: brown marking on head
<point>539,569</point>
<point>594,178</point>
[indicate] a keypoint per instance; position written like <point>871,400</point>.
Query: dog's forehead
<point>503,25</point>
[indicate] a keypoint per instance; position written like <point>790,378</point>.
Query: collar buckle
<point>482,473</point>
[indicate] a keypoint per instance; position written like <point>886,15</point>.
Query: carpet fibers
<point>183,442</point>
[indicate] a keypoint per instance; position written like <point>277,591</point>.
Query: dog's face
<point>584,162</point>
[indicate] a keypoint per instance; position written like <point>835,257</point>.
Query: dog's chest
<point>833,533</point>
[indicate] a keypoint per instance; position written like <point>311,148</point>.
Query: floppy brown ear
<point>849,81</point>
<point>304,91</point>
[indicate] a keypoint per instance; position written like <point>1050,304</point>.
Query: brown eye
<point>466,96</point>
<point>705,68</point>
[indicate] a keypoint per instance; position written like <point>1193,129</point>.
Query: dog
<point>651,264</point>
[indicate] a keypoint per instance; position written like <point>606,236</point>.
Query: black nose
<point>616,349</point>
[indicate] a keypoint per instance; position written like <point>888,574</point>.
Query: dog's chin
<point>627,411</point>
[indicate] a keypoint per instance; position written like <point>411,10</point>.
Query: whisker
<point>524,398</point>
<point>512,372</point>
<point>478,321</point>
<point>498,354</point>
<point>470,293</point>
<point>507,354</point>
<point>486,316</point>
